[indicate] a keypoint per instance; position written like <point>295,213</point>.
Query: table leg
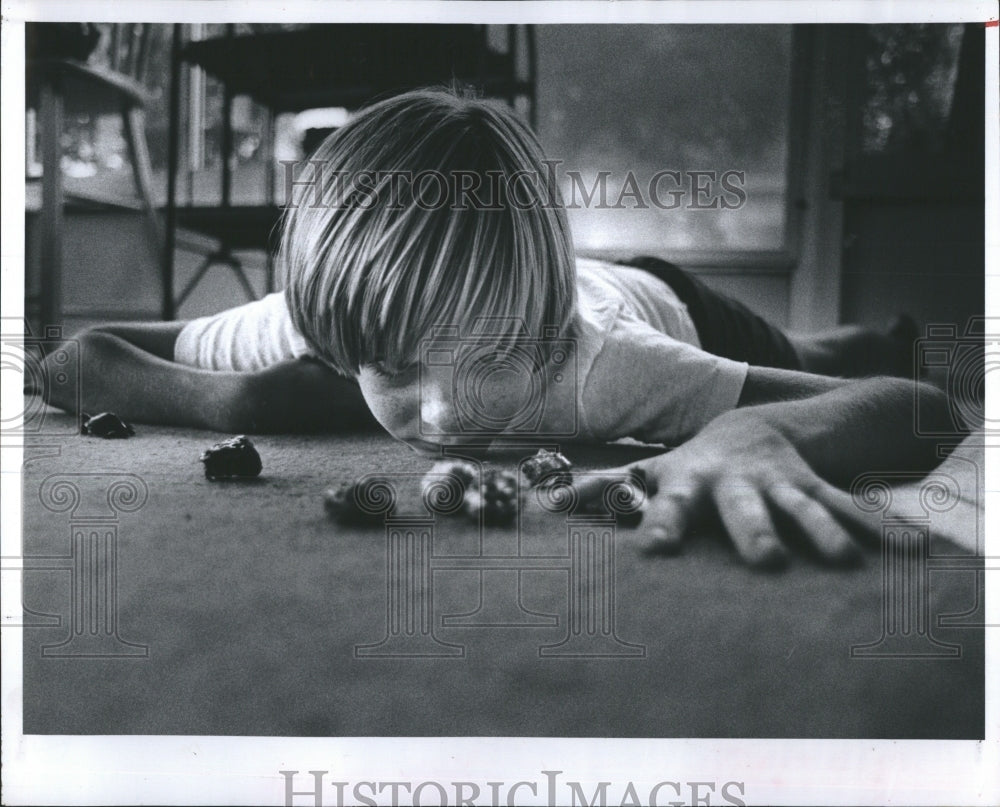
<point>50,270</point>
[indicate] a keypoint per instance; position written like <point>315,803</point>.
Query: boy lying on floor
<point>373,271</point>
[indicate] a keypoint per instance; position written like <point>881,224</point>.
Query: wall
<point>111,271</point>
<point>926,259</point>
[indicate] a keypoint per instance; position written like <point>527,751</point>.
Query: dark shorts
<point>725,327</point>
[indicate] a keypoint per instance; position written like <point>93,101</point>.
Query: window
<point>710,104</point>
<point>642,99</point>
<point>910,85</point>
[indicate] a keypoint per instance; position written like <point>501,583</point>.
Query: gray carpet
<point>251,605</point>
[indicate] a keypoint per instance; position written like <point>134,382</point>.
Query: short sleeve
<point>250,337</point>
<point>651,387</point>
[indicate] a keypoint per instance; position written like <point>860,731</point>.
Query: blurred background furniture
<point>62,85</point>
<point>858,148</point>
<point>317,67</point>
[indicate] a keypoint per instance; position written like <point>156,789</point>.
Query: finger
<point>644,481</point>
<point>592,487</point>
<point>865,525</point>
<point>620,494</point>
<point>744,514</point>
<point>818,525</point>
<point>667,520</point>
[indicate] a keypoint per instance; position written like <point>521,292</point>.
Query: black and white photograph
<point>467,403</point>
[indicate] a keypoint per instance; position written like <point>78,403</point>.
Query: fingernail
<point>642,480</point>
<point>769,554</point>
<point>662,543</point>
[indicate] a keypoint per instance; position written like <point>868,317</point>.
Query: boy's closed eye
<point>384,371</point>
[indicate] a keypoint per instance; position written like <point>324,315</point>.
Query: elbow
<point>92,338</point>
<point>91,330</point>
<point>937,421</point>
<point>933,412</point>
<point>76,375</point>
<point>94,335</point>
<point>938,414</point>
<point>58,379</point>
<point>227,419</point>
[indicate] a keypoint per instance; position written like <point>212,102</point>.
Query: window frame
<point>809,259</point>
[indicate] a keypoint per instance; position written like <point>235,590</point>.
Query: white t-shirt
<point>640,370</point>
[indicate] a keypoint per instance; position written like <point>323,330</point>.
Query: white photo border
<point>244,770</point>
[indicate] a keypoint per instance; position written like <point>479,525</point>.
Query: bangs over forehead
<point>435,210</point>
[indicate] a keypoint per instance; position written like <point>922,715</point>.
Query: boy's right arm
<point>129,369</point>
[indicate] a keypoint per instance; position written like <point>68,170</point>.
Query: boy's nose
<point>437,412</point>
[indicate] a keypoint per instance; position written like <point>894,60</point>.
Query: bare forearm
<point>302,396</point>
<point>118,376</point>
<point>861,426</point>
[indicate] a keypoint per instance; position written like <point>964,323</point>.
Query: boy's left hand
<point>749,472</point>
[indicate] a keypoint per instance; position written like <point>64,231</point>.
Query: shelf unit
<point>329,65</point>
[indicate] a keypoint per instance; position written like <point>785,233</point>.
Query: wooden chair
<point>61,83</point>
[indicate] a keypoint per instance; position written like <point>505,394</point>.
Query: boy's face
<point>393,400</point>
<point>412,405</point>
<point>401,404</point>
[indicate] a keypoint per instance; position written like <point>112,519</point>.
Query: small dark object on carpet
<point>495,499</point>
<point>107,425</point>
<point>446,484</point>
<point>235,458</point>
<point>547,468</point>
<point>464,472</point>
<point>350,503</point>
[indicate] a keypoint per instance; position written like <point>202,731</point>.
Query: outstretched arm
<point>129,369</point>
<point>843,428</point>
<point>787,462</point>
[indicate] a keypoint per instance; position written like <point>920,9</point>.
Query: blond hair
<point>371,268</point>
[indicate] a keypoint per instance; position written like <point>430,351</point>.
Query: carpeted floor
<point>252,605</point>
